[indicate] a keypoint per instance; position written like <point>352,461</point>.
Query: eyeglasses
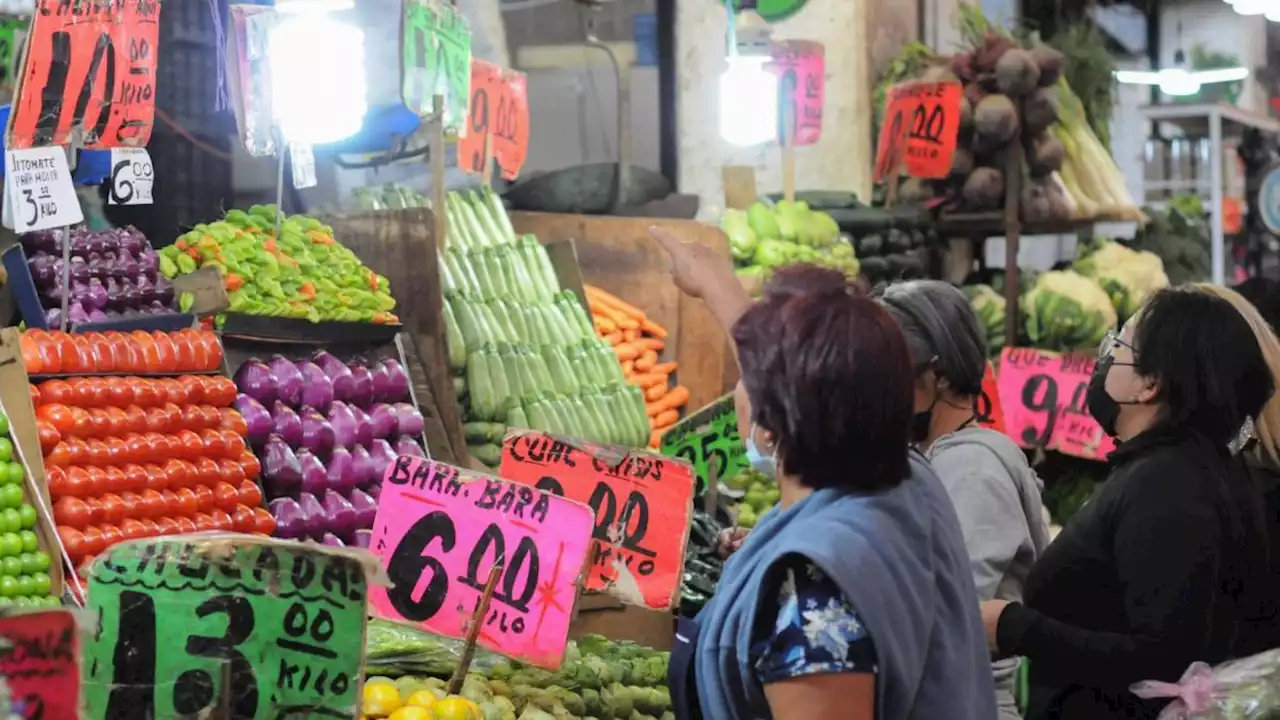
<point>1107,348</point>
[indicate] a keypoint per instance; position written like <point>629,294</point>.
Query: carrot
<point>604,325</point>
<point>665,368</point>
<point>655,392</point>
<point>625,351</point>
<point>655,439</point>
<point>614,338</point>
<point>621,319</point>
<point>630,336</point>
<point>651,344</point>
<point>596,295</point>
<point>675,398</point>
<point>666,419</point>
<point>628,367</point>
<point>653,328</point>
<point>647,359</point>
<point>644,381</point>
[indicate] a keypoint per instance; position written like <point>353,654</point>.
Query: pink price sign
<point>439,532</point>
<point>1042,394</point>
<point>801,69</point>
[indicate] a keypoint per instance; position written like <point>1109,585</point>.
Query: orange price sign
<point>89,71</point>
<point>919,130</point>
<point>986,405</point>
<point>642,503</point>
<point>801,69</point>
<point>500,109</point>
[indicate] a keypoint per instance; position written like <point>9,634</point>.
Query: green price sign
<point>774,10</point>
<point>436,61</point>
<point>225,626</point>
<point>706,438</point>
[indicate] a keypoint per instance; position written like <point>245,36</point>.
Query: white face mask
<point>766,465</point>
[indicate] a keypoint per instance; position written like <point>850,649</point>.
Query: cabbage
<point>1128,276</point>
<point>1066,311</point>
<point>989,306</point>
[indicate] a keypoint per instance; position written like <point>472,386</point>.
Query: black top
<point>1266,474</point>
<point>1166,565</point>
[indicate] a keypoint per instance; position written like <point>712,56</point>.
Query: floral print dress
<point>815,629</point>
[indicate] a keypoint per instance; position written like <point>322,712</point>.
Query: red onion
<point>313,511</point>
<point>364,426</point>
<point>362,467</point>
<point>340,514</point>
<point>366,508</point>
<point>315,479</point>
<point>291,523</point>
<point>256,418</point>
<point>343,422</point>
<point>288,380</point>
<point>317,434</point>
<point>287,424</point>
<point>408,419</point>
<point>338,373</point>
<point>332,540</point>
<point>317,390</point>
<point>361,385</point>
<point>364,538</point>
<point>383,456</point>
<point>395,387</point>
<point>406,445</point>
<point>255,380</point>
<point>384,420</point>
<point>341,471</point>
<point>280,467</point>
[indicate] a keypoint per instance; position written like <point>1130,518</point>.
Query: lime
<point>22,602</point>
<point>28,515</point>
<point>28,561</point>
<point>30,542</point>
<point>10,566</point>
<point>10,544</point>
<point>10,520</point>
<point>6,449</point>
<point>4,424</point>
<point>8,586</point>
<point>40,582</point>
<point>14,473</point>
<point>11,496</point>
<point>26,585</point>
<point>40,562</point>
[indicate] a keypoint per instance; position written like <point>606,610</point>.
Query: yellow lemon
<point>423,698</point>
<point>456,708</point>
<point>412,713</point>
<point>380,699</point>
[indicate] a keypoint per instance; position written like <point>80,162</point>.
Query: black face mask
<point>921,423</point>
<point>1104,408</point>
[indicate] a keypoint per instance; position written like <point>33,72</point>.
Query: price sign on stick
<point>439,532</point>
<point>40,194</point>
<point>987,404</point>
<point>132,177</point>
<point>88,75</point>
<point>302,162</point>
<point>919,130</point>
<point>191,624</point>
<point>499,108</point>
<point>707,437</point>
<point>40,662</point>
<point>642,503</point>
<point>1043,395</point>
<point>801,69</point>
<point>436,60</point>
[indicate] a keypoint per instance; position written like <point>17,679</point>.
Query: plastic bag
<point>1244,689</point>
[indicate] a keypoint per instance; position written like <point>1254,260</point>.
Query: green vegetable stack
<point>599,679</point>
<point>1067,311</point>
<point>762,238</point>
<point>303,274</point>
<point>1128,276</point>
<point>989,306</point>
<point>388,197</point>
<point>523,351</point>
<point>759,493</point>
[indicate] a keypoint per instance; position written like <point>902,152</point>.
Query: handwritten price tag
<point>40,662</point>
<point>436,61</point>
<point>987,404</point>
<point>90,68</point>
<point>920,129</point>
<point>499,108</point>
<point>439,532</point>
<point>642,503</point>
<point>132,177</point>
<point>1043,394</point>
<point>40,194</point>
<point>286,620</point>
<point>801,68</point>
<point>708,437</point>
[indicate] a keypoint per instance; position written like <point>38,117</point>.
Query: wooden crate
<point>618,255</point>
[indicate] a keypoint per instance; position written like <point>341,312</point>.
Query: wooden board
<point>400,244</point>
<point>618,255</point>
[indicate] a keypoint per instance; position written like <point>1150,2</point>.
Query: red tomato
<point>146,346</point>
<point>162,446</point>
<point>137,448</point>
<point>181,473</point>
<point>79,484</point>
<point>213,346</point>
<point>221,520</point>
<point>119,392</point>
<point>132,503</point>
<point>153,504</point>
<point>32,358</point>
<point>82,354</point>
<point>89,392</point>
<point>94,543</point>
<point>243,519</point>
<point>57,391</point>
<point>186,525</point>
<point>103,360</point>
<point>48,434</point>
<point>183,352</point>
<point>58,455</point>
<point>81,423</point>
<point>235,444</point>
<point>231,420</point>
<point>230,472</point>
<point>166,351</point>
<point>97,480</point>
<point>219,391</point>
<point>185,503</point>
<point>111,535</point>
<point>204,497</point>
<point>210,416</point>
<point>204,523</point>
<point>266,524</point>
<point>73,512</point>
<point>36,397</point>
<point>77,451</point>
<point>111,507</point>
<point>100,422</point>
<point>98,452</point>
<point>207,471</point>
<point>56,479</point>
<point>225,496</point>
<point>58,415</point>
<point>166,526</point>
<point>135,477</point>
<point>175,391</point>
<point>150,528</point>
<point>158,420</point>
<point>188,444</point>
<point>194,385</point>
<point>135,419</point>
<point>195,418</point>
<point>157,477</point>
<point>133,529</point>
<point>119,420</point>
<point>145,393</point>
<point>116,480</point>
<point>215,443</point>
<point>252,466</point>
<point>123,353</point>
<point>117,450</point>
<point>72,540</point>
<point>250,494</point>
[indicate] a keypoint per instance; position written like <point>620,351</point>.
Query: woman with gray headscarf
<point>995,492</point>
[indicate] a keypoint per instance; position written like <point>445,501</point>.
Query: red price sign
<point>89,67</point>
<point>987,404</point>
<point>642,503</point>
<point>499,109</point>
<point>919,131</point>
<point>40,661</point>
<point>801,69</point>
<point>1044,402</point>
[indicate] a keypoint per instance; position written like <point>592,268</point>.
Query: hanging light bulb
<point>748,91</point>
<point>1251,7</point>
<point>317,74</point>
<point>1177,81</point>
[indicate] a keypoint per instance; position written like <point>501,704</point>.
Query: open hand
<point>729,540</point>
<point>695,267</point>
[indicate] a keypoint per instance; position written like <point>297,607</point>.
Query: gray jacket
<point>997,498</point>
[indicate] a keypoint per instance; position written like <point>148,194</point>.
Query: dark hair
<point>1263,294</point>
<point>939,323</point>
<point>828,372</point>
<point>1211,373</point>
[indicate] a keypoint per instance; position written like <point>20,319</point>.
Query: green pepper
<point>186,264</point>
<point>771,253</point>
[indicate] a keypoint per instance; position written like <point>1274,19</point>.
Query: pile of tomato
<point>134,457</point>
<point>49,352</point>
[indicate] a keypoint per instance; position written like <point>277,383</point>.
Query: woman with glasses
<point>1166,565</point>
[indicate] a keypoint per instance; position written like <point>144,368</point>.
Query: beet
<point>996,118</point>
<point>1039,110</point>
<point>1047,155</point>
<point>1017,73</point>
<point>984,189</point>
<point>1050,62</point>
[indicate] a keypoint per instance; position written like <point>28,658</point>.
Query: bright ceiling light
<point>1180,82</point>
<point>748,102</point>
<point>317,78</point>
<point>298,7</point>
<point>1251,7</point>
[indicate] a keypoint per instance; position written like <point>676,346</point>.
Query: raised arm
<point>703,273</point>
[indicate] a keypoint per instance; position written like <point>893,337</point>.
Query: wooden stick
<point>486,174</point>
<point>473,632</point>
<point>789,162</point>
<point>712,498</point>
<point>435,139</point>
